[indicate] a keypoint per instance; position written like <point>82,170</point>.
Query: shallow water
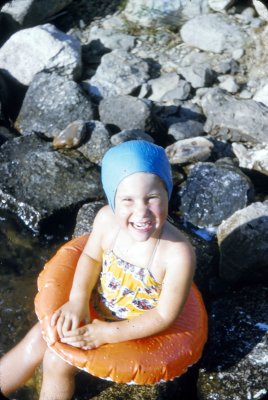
<point>22,257</point>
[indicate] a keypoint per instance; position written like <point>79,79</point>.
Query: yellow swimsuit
<point>124,290</point>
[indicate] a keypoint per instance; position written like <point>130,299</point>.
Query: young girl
<point>136,268</point>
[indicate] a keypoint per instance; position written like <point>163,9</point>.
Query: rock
<point>186,129</point>
<point>188,151</point>
<point>208,197</point>
<point>255,158</point>
<point>169,87</point>
<point>98,142</point>
<point>130,134</point>
<point>220,5</point>
<point>59,52</point>
<point>86,216</point>
<point>111,39</point>
<point>220,109</point>
<point>35,196</point>
<point>243,243</point>
<point>51,103</point>
<point>157,12</point>
<point>33,12</point>
<point>261,95</point>
<point>126,112</point>
<point>71,137</point>
<point>235,364</point>
<point>261,8</point>
<point>229,84</point>
<point>120,73</point>
<point>213,32</point>
<point>195,68</point>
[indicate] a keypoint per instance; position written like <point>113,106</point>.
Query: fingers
<point>79,338</point>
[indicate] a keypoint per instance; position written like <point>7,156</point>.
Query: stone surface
<point>126,112</point>
<point>235,364</point>
<point>207,197</point>
<point>51,103</point>
<point>33,12</point>
<point>23,57</point>
<point>189,150</point>
<point>26,190</point>
<point>230,118</point>
<point>119,73</point>
<point>213,32</point>
<point>243,244</point>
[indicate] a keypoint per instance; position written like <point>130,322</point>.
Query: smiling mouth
<point>142,225</point>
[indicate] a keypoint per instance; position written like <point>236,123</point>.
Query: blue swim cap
<point>129,158</point>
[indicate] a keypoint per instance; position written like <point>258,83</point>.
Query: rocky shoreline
<point>77,77</point>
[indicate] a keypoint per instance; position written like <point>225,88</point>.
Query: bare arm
<point>87,272</point>
<point>176,286</point>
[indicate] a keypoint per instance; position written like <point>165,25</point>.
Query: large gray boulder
<point>43,47</point>
<point>213,193</point>
<point>213,32</point>
<point>120,73</point>
<point>158,12</point>
<point>126,112</point>
<point>243,243</point>
<point>32,12</point>
<point>37,183</point>
<point>232,119</point>
<point>51,103</point>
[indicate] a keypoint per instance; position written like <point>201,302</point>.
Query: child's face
<point>141,205</point>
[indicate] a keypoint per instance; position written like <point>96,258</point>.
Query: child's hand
<point>89,336</point>
<point>69,316</point>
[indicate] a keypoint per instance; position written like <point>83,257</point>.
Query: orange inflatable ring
<point>150,360</point>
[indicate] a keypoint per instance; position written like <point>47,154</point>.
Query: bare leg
<point>58,378</point>
<point>19,364</point>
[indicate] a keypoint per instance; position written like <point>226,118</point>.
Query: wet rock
<point>186,129</point>
<point>120,73</point>
<point>253,158</point>
<point>32,12</point>
<point>126,112</point>
<point>189,150</point>
<point>26,190</point>
<point>59,52</point>
<point>51,103</point>
<point>130,134</point>
<point>157,12</point>
<point>86,216</point>
<point>243,243</point>
<point>169,87</point>
<point>235,364</point>
<point>213,32</point>
<point>98,142</point>
<point>230,118</point>
<point>208,197</point>
<point>71,137</point>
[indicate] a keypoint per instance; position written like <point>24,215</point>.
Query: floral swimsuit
<point>124,290</point>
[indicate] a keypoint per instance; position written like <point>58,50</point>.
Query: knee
<point>53,364</point>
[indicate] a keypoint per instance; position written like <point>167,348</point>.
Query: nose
<point>141,209</point>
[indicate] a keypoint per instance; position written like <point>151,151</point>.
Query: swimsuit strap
<point>115,239</point>
<point>153,253</point>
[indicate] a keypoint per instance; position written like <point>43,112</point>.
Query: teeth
<point>141,225</point>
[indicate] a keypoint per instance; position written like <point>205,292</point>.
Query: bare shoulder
<point>105,226</point>
<point>176,249</point>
